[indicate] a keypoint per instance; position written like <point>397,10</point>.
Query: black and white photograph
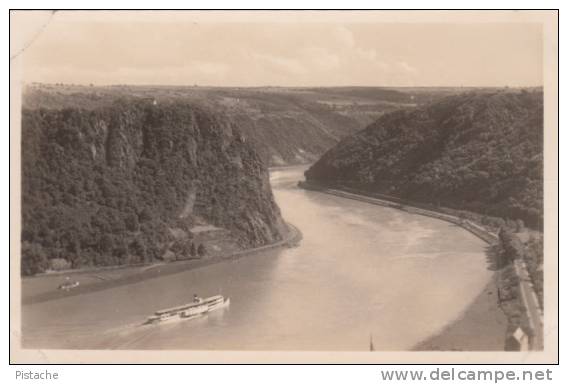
<point>381,183</point>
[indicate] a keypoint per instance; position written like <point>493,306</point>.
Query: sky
<point>277,50</point>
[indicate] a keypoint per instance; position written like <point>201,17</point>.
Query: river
<point>360,269</point>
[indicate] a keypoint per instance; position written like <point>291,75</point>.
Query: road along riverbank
<point>528,299</point>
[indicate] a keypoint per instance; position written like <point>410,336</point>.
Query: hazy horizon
<point>276,86</point>
<point>192,48</point>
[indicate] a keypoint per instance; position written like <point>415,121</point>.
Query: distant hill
<point>478,151</point>
<point>286,125</point>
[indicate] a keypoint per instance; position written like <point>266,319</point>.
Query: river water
<point>359,270</point>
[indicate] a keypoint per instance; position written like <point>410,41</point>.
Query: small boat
<point>69,285</point>
<point>188,311</point>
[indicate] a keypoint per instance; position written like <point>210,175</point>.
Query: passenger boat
<point>190,310</point>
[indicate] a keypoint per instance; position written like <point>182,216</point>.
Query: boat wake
<point>132,335</point>
<point>197,308</point>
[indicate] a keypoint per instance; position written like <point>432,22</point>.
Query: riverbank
<point>517,298</point>
<point>98,279</point>
<point>484,324</point>
<point>402,269</point>
<point>475,329</point>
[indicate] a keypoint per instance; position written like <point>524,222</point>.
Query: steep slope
<point>113,184</point>
<point>480,151</point>
<point>288,128</point>
<point>286,125</point>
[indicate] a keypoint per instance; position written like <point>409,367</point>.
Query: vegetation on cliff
<point>531,252</point>
<point>286,125</point>
<point>113,184</point>
<point>478,151</point>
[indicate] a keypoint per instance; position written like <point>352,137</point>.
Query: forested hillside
<point>111,184</point>
<point>479,151</point>
<point>286,125</point>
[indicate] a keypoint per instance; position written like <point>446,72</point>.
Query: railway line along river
<point>360,269</point>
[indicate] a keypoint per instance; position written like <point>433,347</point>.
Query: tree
<point>59,264</point>
<point>138,249</point>
<point>131,221</point>
<point>201,251</point>
<point>106,243</point>
<point>34,259</point>
<point>145,215</point>
<point>520,225</point>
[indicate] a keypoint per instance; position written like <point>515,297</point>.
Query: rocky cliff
<point>286,125</point>
<point>110,184</point>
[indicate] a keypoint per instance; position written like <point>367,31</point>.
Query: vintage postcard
<point>284,186</point>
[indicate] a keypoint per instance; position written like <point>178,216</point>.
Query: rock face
<point>108,185</point>
<point>480,151</point>
<point>286,125</point>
